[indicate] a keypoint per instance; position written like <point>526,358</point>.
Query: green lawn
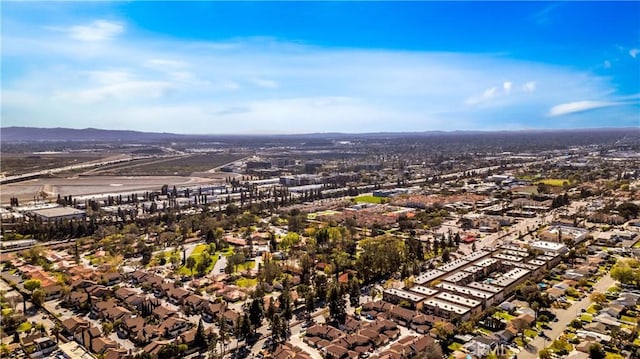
<point>368,199</point>
<point>503,315</point>
<point>24,327</point>
<point>625,318</point>
<point>455,346</point>
<point>637,245</point>
<point>198,249</point>
<point>592,310</point>
<point>248,265</point>
<point>585,317</point>
<point>530,333</point>
<point>197,255</point>
<point>246,282</point>
<point>556,182</point>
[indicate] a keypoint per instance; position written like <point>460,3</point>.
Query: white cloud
<point>109,76</point>
<point>98,30</point>
<point>634,52</point>
<point>529,86</point>
<point>221,87</point>
<point>507,86</point>
<point>162,64</point>
<point>127,90</point>
<point>579,106</point>
<point>264,83</point>
<point>607,64</point>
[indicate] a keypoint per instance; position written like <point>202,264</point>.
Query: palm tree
<point>213,343</point>
<point>223,334</point>
<point>55,331</point>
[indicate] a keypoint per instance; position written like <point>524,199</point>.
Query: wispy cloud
<point>529,86</point>
<point>98,30</point>
<point>634,52</point>
<point>578,106</point>
<point>543,16</point>
<point>250,85</point>
<point>584,106</point>
<point>264,83</point>
<point>507,86</point>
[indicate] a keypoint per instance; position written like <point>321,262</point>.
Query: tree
<point>191,263</point>
<point>55,331</point>
<point>627,271</point>
<point>545,354</point>
<point>433,350</point>
<point>628,210</point>
<point>598,298</point>
<point>337,304</point>
<point>285,304</point>
<point>245,326</point>
<point>200,339</point>
<point>212,345</point>
<point>442,330</point>
<point>31,285</point>
<point>223,333</point>
<point>107,327</point>
<point>320,286</point>
<point>354,292</point>
<point>596,351</point>
<point>255,313</point>
<point>446,256</point>
<point>37,297</point>
<point>520,325</point>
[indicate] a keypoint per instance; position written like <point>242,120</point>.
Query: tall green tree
<point>337,304</point>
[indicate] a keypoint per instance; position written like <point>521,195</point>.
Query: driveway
<point>220,265</point>
<point>564,318</point>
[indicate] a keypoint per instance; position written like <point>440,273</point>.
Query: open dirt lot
<point>96,185</point>
<point>18,163</point>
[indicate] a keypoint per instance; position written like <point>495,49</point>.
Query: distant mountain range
<point>36,134</point>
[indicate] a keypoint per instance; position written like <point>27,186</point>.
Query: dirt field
<point>14,163</point>
<point>181,166</point>
<point>96,185</point>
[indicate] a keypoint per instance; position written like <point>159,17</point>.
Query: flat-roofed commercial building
<point>474,256</point>
<point>475,271</point>
<point>486,298</point>
<point>485,287</point>
<point>511,279</point>
<point>511,247</point>
<point>451,266</point>
<point>428,276</point>
<point>426,291</point>
<point>58,213</point>
<point>396,296</point>
<point>507,257</point>
<point>445,309</point>
<point>488,265</point>
<point>544,246</point>
<point>536,271</point>
<point>474,305</point>
<point>460,278</point>
<point>515,253</point>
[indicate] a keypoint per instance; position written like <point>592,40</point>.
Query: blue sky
<point>300,67</point>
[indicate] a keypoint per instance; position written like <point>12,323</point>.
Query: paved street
<point>564,318</point>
